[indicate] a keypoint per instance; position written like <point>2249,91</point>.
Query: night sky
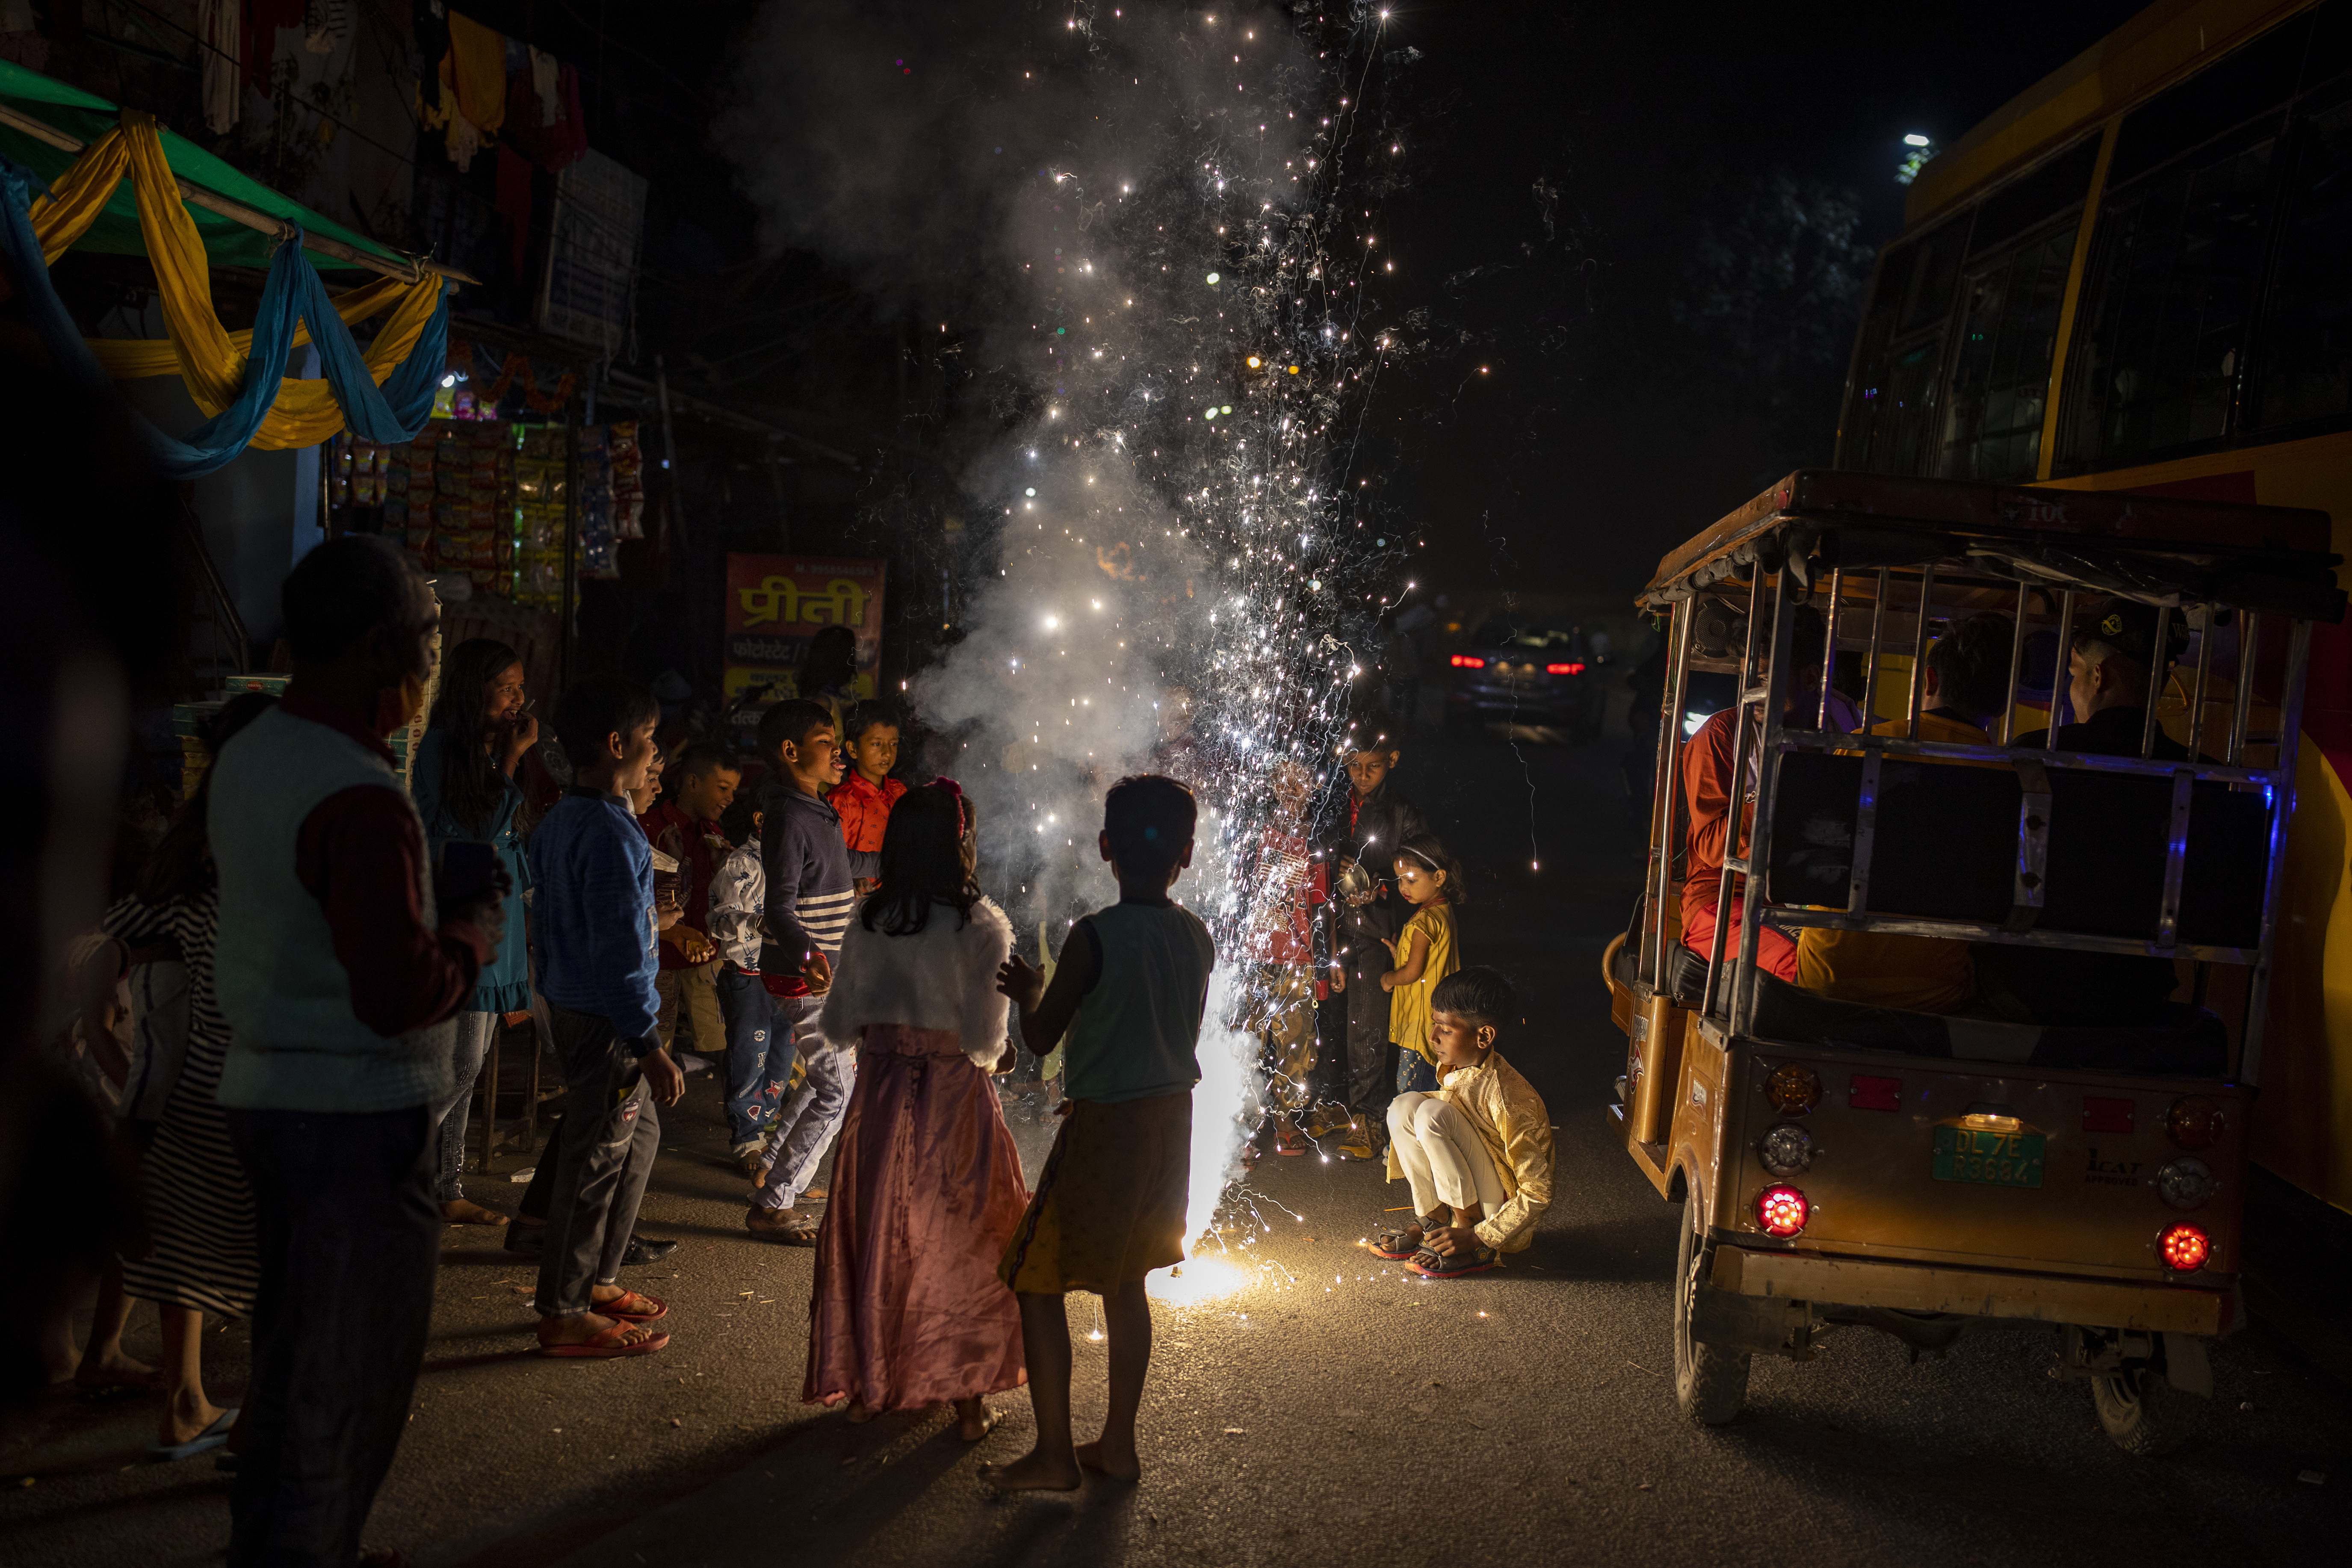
<point>1649,368</point>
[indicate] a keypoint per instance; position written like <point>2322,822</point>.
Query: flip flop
<point>613,1309</point>
<point>1429,1265</point>
<point>607,1346</point>
<point>211,1437</point>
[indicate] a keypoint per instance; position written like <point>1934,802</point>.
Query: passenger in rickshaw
<point>1967,687</point>
<point>1707,791</point>
<point>2115,668</point>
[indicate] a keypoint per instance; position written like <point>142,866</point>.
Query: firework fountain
<point>1172,213</point>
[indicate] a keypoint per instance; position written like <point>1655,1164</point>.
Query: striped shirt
<point>810,894</point>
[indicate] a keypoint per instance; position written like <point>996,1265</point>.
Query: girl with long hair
<point>204,1255</point>
<point>927,1188</point>
<point>1429,880</point>
<point>464,786</point>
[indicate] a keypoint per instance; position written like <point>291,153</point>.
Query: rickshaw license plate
<point>1986,1158</point>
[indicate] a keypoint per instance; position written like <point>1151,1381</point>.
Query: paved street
<point>1330,1409</point>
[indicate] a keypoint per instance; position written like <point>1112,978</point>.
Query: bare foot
<point>1033,1473</point>
<point>184,1419</point>
<point>465,1211</point>
<point>114,1370</point>
<point>974,1419</point>
<point>1119,1464</point>
<point>857,1414</point>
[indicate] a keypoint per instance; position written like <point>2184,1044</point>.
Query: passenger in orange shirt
<point>1708,791</point>
<point>865,794</point>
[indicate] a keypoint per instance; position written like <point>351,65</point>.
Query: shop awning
<point>38,113</point>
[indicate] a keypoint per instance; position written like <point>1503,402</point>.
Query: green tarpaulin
<point>227,242</point>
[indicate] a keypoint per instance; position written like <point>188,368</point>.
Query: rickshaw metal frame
<point>2139,532</point>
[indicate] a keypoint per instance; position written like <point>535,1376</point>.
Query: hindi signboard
<point>776,603</point>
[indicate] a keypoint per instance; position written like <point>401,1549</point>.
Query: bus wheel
<point>1710,1384</point>
<point>2142,1412</point>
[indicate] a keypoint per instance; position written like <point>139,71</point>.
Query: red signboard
<point>776,603</point>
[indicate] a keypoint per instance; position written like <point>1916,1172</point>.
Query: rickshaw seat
<point>1944,848</point>
<point>2183,1040</point>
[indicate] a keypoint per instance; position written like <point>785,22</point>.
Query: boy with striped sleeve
<point>811,890</point>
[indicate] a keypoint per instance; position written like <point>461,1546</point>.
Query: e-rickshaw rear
<point>1925,1173</point>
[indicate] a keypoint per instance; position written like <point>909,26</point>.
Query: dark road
<point>1329,1406</point>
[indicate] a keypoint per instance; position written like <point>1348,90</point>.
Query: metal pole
<point>2248,651</point>
<point>1877,641</point>
<point>1830,653</point>
<point>1777,686</point>
<point>2258,992</point>
<point>2196,700</point>
<point>1666,796</point>
<point>1919,653</point>
<point>1737,790</point>
<point>2058,669</point>
<point>2016,666</point>
<point>2160,672</point>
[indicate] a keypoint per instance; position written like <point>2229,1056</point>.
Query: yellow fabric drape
<point>476,69</point>
<point>133,359</point>
<point>208,357</point>
<point>80,194</point>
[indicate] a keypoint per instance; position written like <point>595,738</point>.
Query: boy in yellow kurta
<point>1479,1153</point>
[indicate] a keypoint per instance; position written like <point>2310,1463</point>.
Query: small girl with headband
<point>1426,951</point>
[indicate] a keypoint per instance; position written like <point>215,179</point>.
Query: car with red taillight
<point>1533,673</point>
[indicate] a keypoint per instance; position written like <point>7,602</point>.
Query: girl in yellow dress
<point>1426,952</point>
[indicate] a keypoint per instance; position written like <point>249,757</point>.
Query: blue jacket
<point>592,916</point>
<point>505,985</point>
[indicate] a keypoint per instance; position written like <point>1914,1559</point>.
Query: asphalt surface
<point>1329,1408</point>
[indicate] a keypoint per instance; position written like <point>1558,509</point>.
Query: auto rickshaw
<point>1842,1164</point>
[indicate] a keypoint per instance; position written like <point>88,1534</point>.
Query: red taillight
<point>1872,1093</point>
<point>1564,669</point>
<point>2183,1247</point>
<point>1469,662</point>
<point>2108,1115</point>
<point>1783,1210</point>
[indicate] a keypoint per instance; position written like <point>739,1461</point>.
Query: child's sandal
<point>1476,1260</point>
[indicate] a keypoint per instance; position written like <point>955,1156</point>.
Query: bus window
<point>2009,329</point>
<point>2057,186</point>
<point>2303,361</point>
<point>2242,85</point>
<point>1890,423</point>
<point>2162,324</point>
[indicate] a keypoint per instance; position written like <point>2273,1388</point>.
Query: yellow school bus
<point>2137,276</point>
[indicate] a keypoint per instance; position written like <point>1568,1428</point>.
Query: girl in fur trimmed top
<point>927,1187</point>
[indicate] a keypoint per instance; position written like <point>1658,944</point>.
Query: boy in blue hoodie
<point>594,927</point>
<point>811,890</point>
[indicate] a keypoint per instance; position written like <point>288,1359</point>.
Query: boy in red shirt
<point>864,796</point>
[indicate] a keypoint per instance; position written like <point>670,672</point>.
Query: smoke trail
<point>1152,220</point>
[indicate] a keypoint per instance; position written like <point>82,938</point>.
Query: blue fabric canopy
<point>291,293</point>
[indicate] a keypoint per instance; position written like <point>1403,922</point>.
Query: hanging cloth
<point>546,85</point>
<point>267,17</point>
<point>554,147</point>
<point>476,69</point>
<point>220,24</point>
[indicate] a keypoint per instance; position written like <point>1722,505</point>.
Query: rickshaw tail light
<point>1469,662</point>
<point>1782,1211</point>
<point>1872,1093</point>
<point>1793,1089</point>
<point>2101,1115</point>
<point>2183,1247</point>
<point>2194,1123</point>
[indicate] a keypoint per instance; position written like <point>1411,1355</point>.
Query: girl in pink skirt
<point>927,1188</point>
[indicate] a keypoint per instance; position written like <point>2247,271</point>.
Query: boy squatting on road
<point>1109,1205</point>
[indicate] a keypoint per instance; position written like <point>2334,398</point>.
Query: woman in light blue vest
<point>463,783</point>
